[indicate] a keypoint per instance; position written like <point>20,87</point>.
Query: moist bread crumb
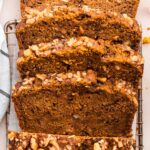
<point>75,103</point>
<point>45,26</point>
<point>109,60</point>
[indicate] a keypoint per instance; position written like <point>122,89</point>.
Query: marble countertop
<point>11,11</point>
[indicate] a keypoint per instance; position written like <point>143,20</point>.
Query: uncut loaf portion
<point>41,141</point>
<point>75,103</point>
<point>61,22</point>
<point>121,6</point>
<point>115,61</point>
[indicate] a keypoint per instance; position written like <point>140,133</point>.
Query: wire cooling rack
<point>10,31</point>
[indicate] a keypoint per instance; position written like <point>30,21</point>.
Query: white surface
<point>3,134</point>
<point>11,11</point>
<point>5,75</point>
<point>143,17</point>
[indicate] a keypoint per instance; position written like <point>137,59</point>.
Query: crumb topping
<point>41,141</point>
<point>33,15</point>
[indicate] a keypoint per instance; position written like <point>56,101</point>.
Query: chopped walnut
<point>20,60</point>
<point>44,47</point>
<point>86,8</point>
<point>120,144</point>
<point>32,12</point>
<point>11,136</point>
<point>130,20</point>
<point>68,147</point>
<point>34,144</point>
<point>24,144</point>
<point>81,30</point>
<point>117,67</point>
<point>97,146</point>
<point>77,75</point>
<point>65,1</point>
<point>34,47</point>
<point>75,116</point>
<point>114,148</point>
<point>55,145</point>
<point>118,1</point>
<point>79,79</point>
<point>59,79</point>
<point>102,79</point>
<point>27,53</point>
<point>127,43</point>
<point>47,14</point>
<point>71,41</point>
<point>114,13</point>
<point>91,75</point>
<point>44,142</point>
<point>103,144</point>
<point>30,21</point>
<point>41,76</point>
<point>69,75</point>
<point>83,73</point>
<point>142,61</point>
<point>28,81</point>
<point>134,58</point>
<point>146,40</point>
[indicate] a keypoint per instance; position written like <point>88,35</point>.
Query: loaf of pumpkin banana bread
<point>40,141</point>
<point>77,103</point>
<point>121,6</point>
<point>61,22</point>
<point>109,60</point>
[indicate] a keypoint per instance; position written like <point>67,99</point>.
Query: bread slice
<point>41,141</point>
<point>121,6</point>
<point>115,61</point>
<point>75,103</point>
<point>67,22</point>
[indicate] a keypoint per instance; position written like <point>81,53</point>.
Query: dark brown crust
<point>24,140</point>
<point>110,60</point>
<point>107,106</point>
<point>85,22</point>
<point>123,7</point>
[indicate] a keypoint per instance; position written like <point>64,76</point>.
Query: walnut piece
<point>134,58</point>
<point>55,145</point>
<point>11,136</point>
<point>102,79</point>
<point>41,76</point>
<point>34,144</point>
<point>44,142</point>
<point>130,20</point>
<point>146,40</point>
<point>27,53</point>
<point>68,147</point>
<point>34,47</point>
<point>30,21</point>
<point>96,146</point>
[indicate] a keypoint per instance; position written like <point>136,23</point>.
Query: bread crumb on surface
<point>148,28</point>
<point>146,40</point>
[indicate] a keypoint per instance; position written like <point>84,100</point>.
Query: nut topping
<point>97,146</point>
<point>34,144</point>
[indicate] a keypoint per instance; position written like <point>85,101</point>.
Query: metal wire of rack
<point>10,29</point>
